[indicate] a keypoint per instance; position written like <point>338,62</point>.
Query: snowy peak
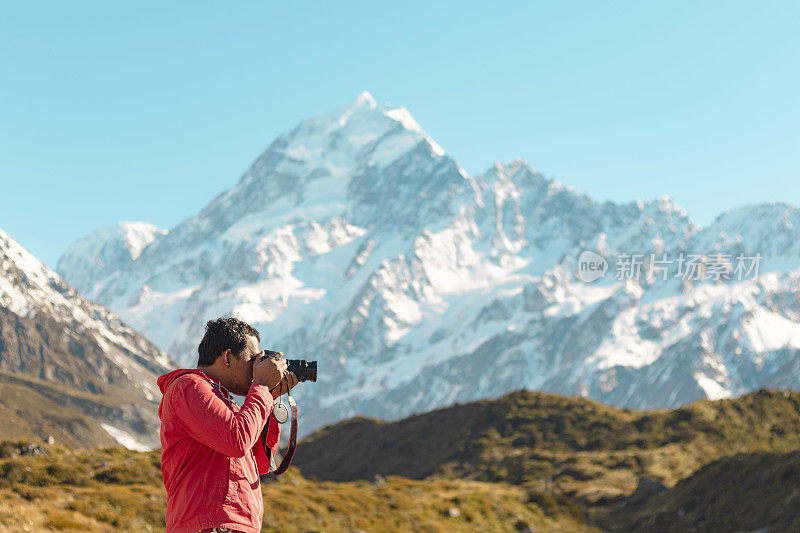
<point>106,251</point>
<point>139,235</point>
<point>544,213</point>
<point>23,278</point>
<point>771,229</point>
<point>365,107</point>
<point>364,99</point>
<point>402,115</point>
<point>359,133</point>
<point>352,162</point>
<point>521,175</point>
<point>339,143</point>
<point>770,216</point>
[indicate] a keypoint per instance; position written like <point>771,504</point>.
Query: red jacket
<point>211,453</point>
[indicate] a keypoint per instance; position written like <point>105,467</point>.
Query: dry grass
<point>112,489</point>
<point>526,461</point>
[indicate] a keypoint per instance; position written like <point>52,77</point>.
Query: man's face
<point>241,369</point>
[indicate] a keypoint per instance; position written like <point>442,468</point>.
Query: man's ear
<point>226,357</point>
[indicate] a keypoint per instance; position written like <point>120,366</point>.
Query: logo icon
<point>591,266</point>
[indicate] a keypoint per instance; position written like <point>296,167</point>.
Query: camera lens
<point>304,370</point>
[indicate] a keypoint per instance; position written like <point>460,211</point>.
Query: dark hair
<point>224,334</point>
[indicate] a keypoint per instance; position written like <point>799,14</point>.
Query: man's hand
<point>281,388</point>
<point>269,371</point>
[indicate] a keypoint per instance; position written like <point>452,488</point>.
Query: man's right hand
<point>269,371</point>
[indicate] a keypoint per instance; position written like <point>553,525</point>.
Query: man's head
<point>229,347</point>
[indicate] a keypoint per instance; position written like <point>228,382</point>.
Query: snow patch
<point>126,439</point>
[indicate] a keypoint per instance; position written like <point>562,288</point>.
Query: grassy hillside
<point>112,489</point>
<point>589,451</point>
<point>744,492</point>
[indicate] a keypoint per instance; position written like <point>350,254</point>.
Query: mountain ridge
<point>594,453</point>
<point>354,240</point>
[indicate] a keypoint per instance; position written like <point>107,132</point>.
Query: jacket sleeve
<point>262,456</point>
<point>209,420</point>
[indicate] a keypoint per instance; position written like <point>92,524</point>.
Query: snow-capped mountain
<point>50,334</point>
<point>107,252</point>
<point>355,240</point>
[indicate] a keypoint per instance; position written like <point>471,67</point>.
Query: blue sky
<point>147,110</point>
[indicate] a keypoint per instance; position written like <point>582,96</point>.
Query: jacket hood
<point>165,380</point>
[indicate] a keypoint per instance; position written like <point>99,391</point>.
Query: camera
<point>304,370</point>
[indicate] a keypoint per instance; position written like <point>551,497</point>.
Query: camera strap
<point>287,457</point>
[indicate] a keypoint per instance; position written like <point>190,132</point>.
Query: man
<point>211,450</point>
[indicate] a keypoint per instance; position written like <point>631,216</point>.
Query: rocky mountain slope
<point>68,367</point>
<point>356,240</point>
